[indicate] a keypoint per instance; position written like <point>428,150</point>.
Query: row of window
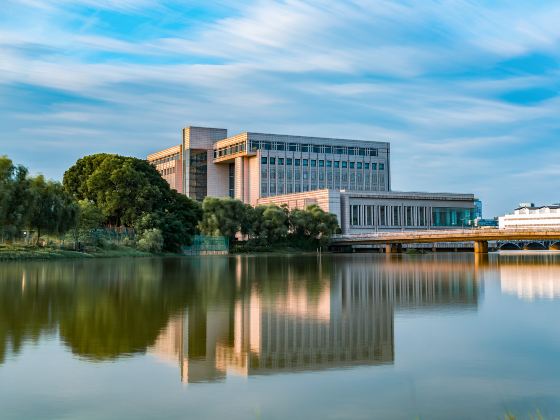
<point>229,150</point>
<point>399,215</point>
<point>294,147</point>
<point>313,148</point>
<point>280,183</point>
<point>321,163</point>
<point>376,215</point>
<point>165,159</point>
<point>167,171</point>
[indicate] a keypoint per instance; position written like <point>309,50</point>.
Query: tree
<point>53,210</point>
<point>313,223</point>
<point>130,192</point>
<point>270,224</point>
<point>15,197</point>
<point>224,217</point>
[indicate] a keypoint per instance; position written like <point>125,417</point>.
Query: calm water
<point>343,336</point>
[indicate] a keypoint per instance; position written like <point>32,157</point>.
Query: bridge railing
<point>441,232</point>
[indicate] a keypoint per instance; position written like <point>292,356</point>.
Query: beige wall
<point>328,200</point>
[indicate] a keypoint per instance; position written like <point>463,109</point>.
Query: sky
<point>467,92</point>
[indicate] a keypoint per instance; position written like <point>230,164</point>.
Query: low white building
<point>532,217</point>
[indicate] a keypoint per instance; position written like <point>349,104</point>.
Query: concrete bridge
<point>393,240</point>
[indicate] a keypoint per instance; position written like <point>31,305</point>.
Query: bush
<point>151,240</point>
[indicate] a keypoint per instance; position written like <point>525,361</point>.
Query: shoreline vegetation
<point>109,205</point>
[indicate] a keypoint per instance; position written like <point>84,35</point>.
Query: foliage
<point>270,224</point>
<point>130,192</point>
<point>53,210</point>
<point>267,225</point>
<point>15,197</point>
<point>33,203</point>
<point>224,217</point>
<point>151,241</point>
<point>313,223</point>
<point>90,216</point>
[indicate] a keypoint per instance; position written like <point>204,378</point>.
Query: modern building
<point>530,217</point>
<point>350,178</point>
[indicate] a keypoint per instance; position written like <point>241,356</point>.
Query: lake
<point>360,336</point>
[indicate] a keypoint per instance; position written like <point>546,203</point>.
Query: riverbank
<point>24,252</point>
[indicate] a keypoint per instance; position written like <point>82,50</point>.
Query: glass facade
<point>400,216</point>
<point>231,179</point>
<point>449,216</point>
<point>197,174</point>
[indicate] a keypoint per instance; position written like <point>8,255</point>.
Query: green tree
<point>224,217</point>
<point>53,210</point>
<point>130,192</point>
<point>270,224</point>
<point>313,223</point>
<point>15,197</point>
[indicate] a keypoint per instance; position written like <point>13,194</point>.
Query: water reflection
<point>244,315</point>
<point>292,317</point>
<point>537,277</point>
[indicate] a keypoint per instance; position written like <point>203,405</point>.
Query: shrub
<point>151,240</point>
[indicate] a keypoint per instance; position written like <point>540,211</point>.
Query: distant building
<point>532,217</point>
<point>350,178</point>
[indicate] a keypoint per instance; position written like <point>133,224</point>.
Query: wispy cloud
<point>433,78</point>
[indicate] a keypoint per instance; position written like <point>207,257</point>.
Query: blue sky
<point>467,92</point>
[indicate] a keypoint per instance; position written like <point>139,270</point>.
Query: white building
<point>532,217</point>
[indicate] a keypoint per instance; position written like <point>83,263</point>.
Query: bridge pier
<point>481,247</point>
<point>393,248</point>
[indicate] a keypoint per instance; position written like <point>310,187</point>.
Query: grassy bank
<point>25,252</point>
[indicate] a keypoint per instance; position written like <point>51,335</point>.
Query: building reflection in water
<point>529,279</point>
<point>337,313</point>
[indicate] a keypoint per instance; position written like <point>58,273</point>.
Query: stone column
<point>393,248</point>
<point>481,247</point>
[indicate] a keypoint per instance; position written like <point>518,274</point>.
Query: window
<point>321,164</point>
<point>289,161</point>
<point>355,216</point>
<point>280,161</point>
<point>359,165</point>
<point>362,151</point>
<point>396,216</point>
<point>382,215</point>
<point>374,166</point>
<point>305,148</point>
<point>381,166</point>
<point>329,164</point>
<point>336,164</point>
<point>352,165</point>
<point>366,165</point>
<point>272,160</point>
<point>316,149</point>
<point>280,146</point>
<point>313,163</point>
<point>328,149</point>
<point>263,160</point>
<point>297,162</point>
<point>369,215</point>
<point>305,162</point>
<point>266,145</point>
<point>339,150</point>
<point>344,164</point>
<point>351,151</point>
<point>293,147</point>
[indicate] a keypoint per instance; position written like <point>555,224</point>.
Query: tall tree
<point>15,197</point>
<point>224,217</point>
<point>53,210</point>
<point>130,192</point>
